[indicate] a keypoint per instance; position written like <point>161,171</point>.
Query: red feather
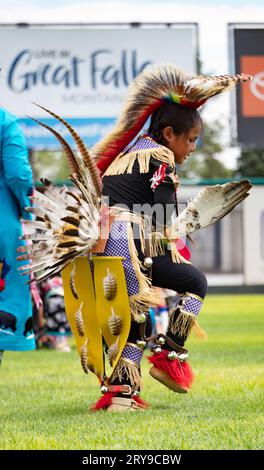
<point>141,403</point>
<point>181,372</point>
<point>104,402</point>
<point>120,144</point>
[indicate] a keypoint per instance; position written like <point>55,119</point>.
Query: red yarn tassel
<point>104,402</point>
<point>183,249</point>
<point>141,403</point>
<point>181,372</point>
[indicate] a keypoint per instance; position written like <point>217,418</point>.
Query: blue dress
<point>16,332</point>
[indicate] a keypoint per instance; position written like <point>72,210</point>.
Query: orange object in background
<point>252,93</point>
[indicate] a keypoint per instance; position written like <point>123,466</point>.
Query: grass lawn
<point>45,396</point>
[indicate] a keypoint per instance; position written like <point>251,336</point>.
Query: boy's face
<point>184,144</point>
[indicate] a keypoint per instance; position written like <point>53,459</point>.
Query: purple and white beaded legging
<point>191,304</point>
<point>117,245</point>
<point>133,353</point>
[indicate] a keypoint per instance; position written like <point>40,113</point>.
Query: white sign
<point>83,73</point>
<point>253,225</point>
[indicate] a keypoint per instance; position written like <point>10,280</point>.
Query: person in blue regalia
<point>16,186</point>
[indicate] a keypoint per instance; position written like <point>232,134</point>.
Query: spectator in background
<point>159,314</point>
<point>16,186</point>
<point>57,328</point>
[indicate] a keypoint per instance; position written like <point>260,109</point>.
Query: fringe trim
<point>130,369</point>
<point>176,257</point>
<point>198,331</point>
<point>140,302</point>
<point>158,241</point>
<point>184,324</point>
<point>157,244</point>
<point>124,163</point>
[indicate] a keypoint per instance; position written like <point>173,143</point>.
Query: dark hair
<point>180,118</point>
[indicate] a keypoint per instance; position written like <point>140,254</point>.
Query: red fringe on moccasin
<point>141,403</point>
<point>104,402</point>
<point>165,369</point>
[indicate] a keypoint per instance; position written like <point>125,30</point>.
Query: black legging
<point>180,277</point>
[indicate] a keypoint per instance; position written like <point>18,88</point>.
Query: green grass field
<point>45,396</point>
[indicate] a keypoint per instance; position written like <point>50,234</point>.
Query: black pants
<point>180,277</point>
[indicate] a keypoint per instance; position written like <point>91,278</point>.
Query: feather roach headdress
<point>148,92</point>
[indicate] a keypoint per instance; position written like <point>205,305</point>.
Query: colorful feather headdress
<point>148,92</point>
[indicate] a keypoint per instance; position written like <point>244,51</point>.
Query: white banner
<point>83,73</point>
<point>253,228</point>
